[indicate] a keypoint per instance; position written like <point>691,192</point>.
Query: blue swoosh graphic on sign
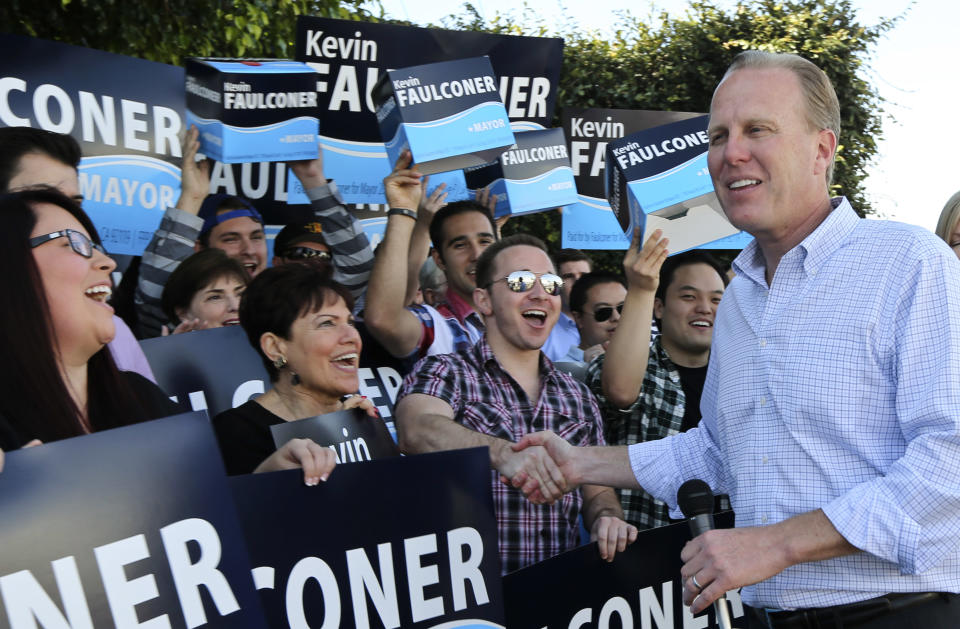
<point>599,204</point>
<point>469,623</point>
<point>127,161</point>
<point>526,125</point>
<point>204,122</point>
<point>355,149</point>
<point>454,117</point>
<point>675,169</point>
<point>559,169</point>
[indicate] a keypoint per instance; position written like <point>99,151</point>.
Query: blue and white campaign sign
<point>351,56</point>
<point>447,114</point>
<point>532,176</point>
<point>131,527</point>
<point>250,110</point>
<point>144,185</point>
<point>126,114</point>
<point>658,178</point>
<point>131,111</point>
<point>591,223</point>
<point>639,588</point>
<point>395,542</point>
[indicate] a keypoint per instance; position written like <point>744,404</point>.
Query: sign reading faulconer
<point>533,176</point>
<point>658,179</point>
<point>253,110</point>
<point>448,114</point>
<point>376,547</point>
<point>130,527</point>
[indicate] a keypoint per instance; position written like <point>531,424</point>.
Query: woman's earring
<point>279,362</point>
<point>294,378</point>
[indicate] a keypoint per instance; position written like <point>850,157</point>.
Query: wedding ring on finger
<point>697,585</point>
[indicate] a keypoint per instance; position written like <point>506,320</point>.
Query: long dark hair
<point>34,398</point>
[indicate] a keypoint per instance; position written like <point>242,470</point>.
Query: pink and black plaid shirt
<point>485,398</point>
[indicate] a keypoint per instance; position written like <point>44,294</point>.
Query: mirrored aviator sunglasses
<point>305,253</point>
<point>522,281</point>
<point>602,314</point>
<point>78,242</point>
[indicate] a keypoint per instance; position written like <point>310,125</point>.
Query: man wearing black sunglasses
<point>504,387</point>
<point>596,302</point>
<point>300,241</point>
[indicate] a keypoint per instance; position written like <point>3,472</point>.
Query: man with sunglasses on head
<point>596,302</point>
<point>682,294</point>
<point>504,387</point>
<point>200,220</point>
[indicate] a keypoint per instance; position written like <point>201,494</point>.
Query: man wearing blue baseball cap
<point>232,224</point>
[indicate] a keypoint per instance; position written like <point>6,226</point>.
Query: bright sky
<point>915,68</point>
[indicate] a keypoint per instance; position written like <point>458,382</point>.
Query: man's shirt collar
<point>816,248</point>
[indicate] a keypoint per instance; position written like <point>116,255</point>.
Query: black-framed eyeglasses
<point>78,242</point>
<point>605,312</point>
<point>522,281</point>
<point>305,253</point>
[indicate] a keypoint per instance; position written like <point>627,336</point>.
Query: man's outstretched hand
<point>561,457</point>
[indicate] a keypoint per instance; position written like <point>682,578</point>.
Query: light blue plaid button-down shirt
<point>837,388</point>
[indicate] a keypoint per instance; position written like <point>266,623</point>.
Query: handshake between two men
<point>554,467</point>
<point>715,561</point>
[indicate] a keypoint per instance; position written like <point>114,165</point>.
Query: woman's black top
<point>153,400</point>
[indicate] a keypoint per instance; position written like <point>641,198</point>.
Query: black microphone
<point>696,501</point>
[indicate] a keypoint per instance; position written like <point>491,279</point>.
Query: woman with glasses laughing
<point>58,379</point>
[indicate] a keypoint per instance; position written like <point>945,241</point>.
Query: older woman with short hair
<point>300,322</point>
<point>204,291</point>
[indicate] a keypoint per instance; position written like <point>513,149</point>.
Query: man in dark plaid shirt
<point>504,387</point>
<point>683,295</point>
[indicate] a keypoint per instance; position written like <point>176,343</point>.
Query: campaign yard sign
<point>641,587</point>
<point>353,435</point>
<point>124,112</point>
<point>213,370</point>
<point>395,542</point>
<point>447,114</point>
<point>128,527</point>
<point>351,56</point>
<point>533,176</point>
<point>591,223</point>
<point>253,110</point>
<point>127,114</point>
<point>658,179</point>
